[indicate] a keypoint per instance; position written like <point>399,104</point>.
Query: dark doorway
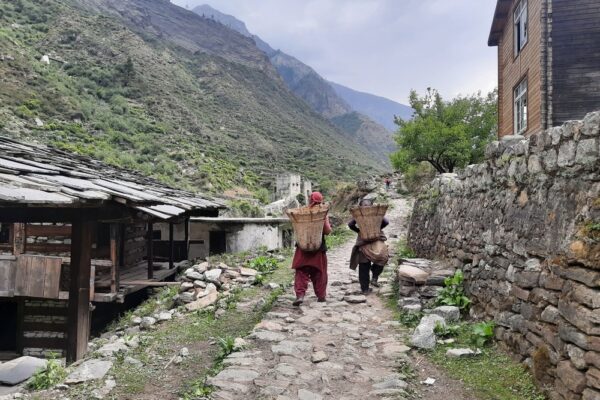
<point>8,328</point>
<point>218,242</point>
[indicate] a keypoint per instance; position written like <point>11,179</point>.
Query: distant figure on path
<point>369,256</point>
<point>312,265</point>
<point>388,182</point>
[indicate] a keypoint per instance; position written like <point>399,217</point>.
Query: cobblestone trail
<point>346,348</point>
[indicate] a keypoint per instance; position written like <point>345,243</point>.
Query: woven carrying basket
<point>308,226</point>
<point>369,220</point>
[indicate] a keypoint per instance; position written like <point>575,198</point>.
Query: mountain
<point>378,108</point>
<point>307,84</point>
<point>148,85</point>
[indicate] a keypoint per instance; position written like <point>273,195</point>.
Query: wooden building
<point>75,231</point>
<point>548,62</point>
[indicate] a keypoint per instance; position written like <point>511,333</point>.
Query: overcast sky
<point>384,47</point>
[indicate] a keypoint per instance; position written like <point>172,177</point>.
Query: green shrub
<point>264,264</point>
<point>53,374</point>
<point>443,330</point>
<point>453,292</point>
<point>403,250</point>
<point>226,346</point>
<point>482,332</point>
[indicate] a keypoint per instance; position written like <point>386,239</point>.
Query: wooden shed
<point>74,231</point>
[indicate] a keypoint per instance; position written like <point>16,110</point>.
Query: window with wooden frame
<point>521,26</point>
<point>520,107</point>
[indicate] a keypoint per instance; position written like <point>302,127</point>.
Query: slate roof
<point>43,176</point>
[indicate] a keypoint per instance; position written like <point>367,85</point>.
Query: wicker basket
<point>308,226</point>
<point>369,220</point>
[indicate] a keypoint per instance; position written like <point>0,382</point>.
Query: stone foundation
<point>525,226</point>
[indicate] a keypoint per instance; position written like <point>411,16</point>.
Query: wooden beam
<point>20,321</point>
<point>58,214</point>
<point>78,329</point>
<point>151,283</point>
<point>171,246</point>
<point>19,238</point>
<point>186,228</point>
<point>150,252</point>
<point>114,257</point>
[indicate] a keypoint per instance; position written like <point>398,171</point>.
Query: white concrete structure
<point>214,235</point>
<point>291,185</point>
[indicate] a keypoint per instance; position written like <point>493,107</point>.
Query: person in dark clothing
<point>369,256</point>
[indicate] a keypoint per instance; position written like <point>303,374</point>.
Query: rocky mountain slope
<point>148,85</point>
<point>307,84</point>
<point>377,108</point>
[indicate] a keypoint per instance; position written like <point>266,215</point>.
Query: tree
<point>126,71</point>
<point>446,134</point>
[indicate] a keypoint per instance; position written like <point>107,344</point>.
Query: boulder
<point>88,371</point>
<point>213,275</point>
<point>423,336</point>
<point>449,313</point>
<point>20,369</point>
<point>247,271</point>
<point>412,274</point>
<point>460,353</point>
<point>110,349</point>
<point>147,322</point>
<point>209,299</point>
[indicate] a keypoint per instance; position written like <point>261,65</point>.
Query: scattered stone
<point>319,356</point>
<point>187,297</point>
<point>273,286</point>
<point>355,299</point>
<point>460,353</point>
<point>184,352</point>
<point>247,271</point>
<point>111,349</point>
<point>20,369</point>
<point>412,308</point>
<point>193,275</point>
<point>412,274</point>
<point>268,336</point>
<point>304,394</point>
<point>449,313</point>
<point>239,344</point>
<point>423,336</point>
<point>100,393</point>
<point>88,371</point>
<point>165,316</point>
<point>428,381</point>
<point>147,322</point>
<point>185,286</point>
<point>213,275</point>
<point>177,360</point>
<point>203,302</point>
<point>136,320</point>
<point>133,361</point>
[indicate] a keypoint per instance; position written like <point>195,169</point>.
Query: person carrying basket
<point>312,265</point>
<point>369,254</point>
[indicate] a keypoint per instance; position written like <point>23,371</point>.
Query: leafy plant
<point>264,264</point>
<point>259,280</point>
<point>404,251</point>
<point>453,292</point>
<point>226,346</point>
<point>443,330</point>
<point>410,319</point>
<point>482,332</point>
<point>53,374</point>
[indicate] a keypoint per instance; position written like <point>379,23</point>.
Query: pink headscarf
<point>316,198</point>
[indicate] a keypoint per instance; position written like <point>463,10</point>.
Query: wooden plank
<point>7,277</point>
<point>48,230</point>
<point>150,283</point>
<point>44,327</point>
<point>114,257</point>
<point>21,276</point>
<point>79,292</point>
<point>45,343</point>
<point>186,228</point>
<point>52,277</point>
<point>19,238</point>
<point>171,246</point>
<point>50,311</point>
<point>37,276</point>
<point>149,252</point>
<point>48,247</point>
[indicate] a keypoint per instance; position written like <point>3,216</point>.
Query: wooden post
<point>171,246</point>
<point>20,319</point>
<point>186,228</point>
<point>114,258</point>
<point>150,252</point>
<point>78,329</point>
<point>19,238</point>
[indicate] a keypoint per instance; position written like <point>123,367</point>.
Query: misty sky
<point>384,47</point>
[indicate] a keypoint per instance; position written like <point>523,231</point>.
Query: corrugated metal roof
<point>500,15</point>
<point>40,175</point>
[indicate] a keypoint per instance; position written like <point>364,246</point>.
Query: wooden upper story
<point>548,62</point>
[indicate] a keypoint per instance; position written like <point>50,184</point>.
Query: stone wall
<point>525,226</point>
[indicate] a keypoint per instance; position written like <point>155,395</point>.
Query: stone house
<point>291,185</point>
<point>548,62</point>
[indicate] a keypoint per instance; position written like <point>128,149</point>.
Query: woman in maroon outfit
<point>312,265</point>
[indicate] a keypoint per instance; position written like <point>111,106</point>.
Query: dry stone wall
<point>525,226</point>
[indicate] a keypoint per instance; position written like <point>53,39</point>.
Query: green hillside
<point>150,86</point>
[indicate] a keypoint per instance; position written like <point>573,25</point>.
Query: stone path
<point>347,348</point>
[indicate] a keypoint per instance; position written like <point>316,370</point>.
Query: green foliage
<point>264,264</point>
<point>53,374</point>
<point>244,208</point>
<point>453,292</point>
<point>403,250</point>
<point>410,319</point>
<point>446,134</point>
<point>482,332</point>
<point>340,235</point>
<point>226,346</point>
<point>263,195</point>
<point>417,175</point>
<point>259,280</point>
<point>443,330</point>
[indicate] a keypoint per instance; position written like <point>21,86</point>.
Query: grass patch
<point>403,250</point>
<point>338,236</point>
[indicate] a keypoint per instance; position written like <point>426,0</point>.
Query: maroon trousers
<point>310,267</point>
